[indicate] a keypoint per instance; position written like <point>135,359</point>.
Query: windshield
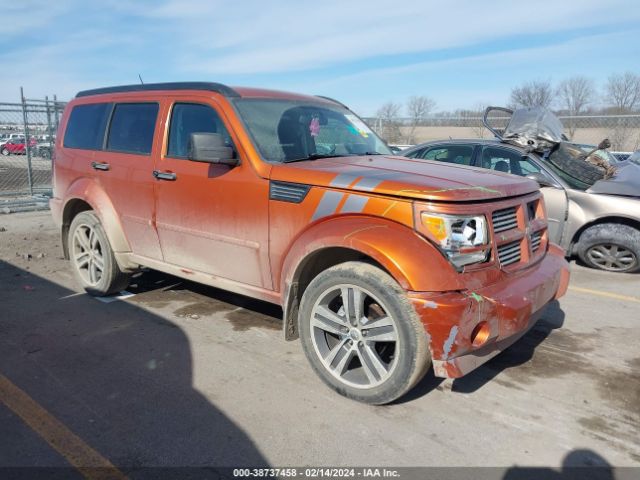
<point>289,130</point>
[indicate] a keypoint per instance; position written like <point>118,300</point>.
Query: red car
<point>17,147</point>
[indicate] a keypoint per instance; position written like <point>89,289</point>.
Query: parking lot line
<point>600,293</point>
<point>85,459</point>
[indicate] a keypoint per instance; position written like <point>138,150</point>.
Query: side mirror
<point>210,148</point>
<point>542,180</point>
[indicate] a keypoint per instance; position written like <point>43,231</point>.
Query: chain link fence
<point>27,137</point>
<point>622,130</point>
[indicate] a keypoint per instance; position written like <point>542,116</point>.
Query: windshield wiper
<point>316,156</point>
<point>313,156</point>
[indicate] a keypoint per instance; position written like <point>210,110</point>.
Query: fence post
<point>49,129</point>
<point>55,111</point>
<point>27,140</point>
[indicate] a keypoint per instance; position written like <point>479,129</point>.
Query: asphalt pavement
<point>180,374</point>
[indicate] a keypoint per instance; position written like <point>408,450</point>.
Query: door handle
<point>100,166</point>
<point>164,175</point>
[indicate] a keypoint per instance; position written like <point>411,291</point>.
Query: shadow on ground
<point>580,464</point>
<point>116,375</point>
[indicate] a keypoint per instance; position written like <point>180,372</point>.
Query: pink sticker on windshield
<point>314,127</point>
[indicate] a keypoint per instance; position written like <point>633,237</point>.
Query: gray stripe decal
<point>354,204</point>
<point>343,180</point>
<point>327,205</point>
<point>368,184</point>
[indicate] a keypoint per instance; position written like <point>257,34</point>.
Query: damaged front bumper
<point>467,328</point>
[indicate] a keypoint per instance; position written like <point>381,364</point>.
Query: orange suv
<point>384,266</point>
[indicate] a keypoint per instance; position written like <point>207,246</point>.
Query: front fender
<point>414,262</point>
<point>90,192</point>
<point>409,258</point>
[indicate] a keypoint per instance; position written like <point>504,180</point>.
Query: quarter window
<point>86,126</point>
<point>132,127</point>
<point>188,118</point>
<point>458,154</point>
<point>508,161</point>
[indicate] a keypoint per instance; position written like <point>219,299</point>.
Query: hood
<point>405,177</point>
<point>626,181</point>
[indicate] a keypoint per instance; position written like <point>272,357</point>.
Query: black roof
<point>207,86</point>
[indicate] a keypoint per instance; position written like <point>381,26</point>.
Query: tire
<point>375,371</point>
<point>570,161</point>
<point>611,247</point>
<point>5,152</point>
<point>92,259</point>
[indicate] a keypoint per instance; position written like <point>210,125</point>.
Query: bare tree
<point>575,93</point>
<point>389,128</point>
<point>477,127</point>
<point>623,91</point>
<point>537,93</point>
<point>418,108</point>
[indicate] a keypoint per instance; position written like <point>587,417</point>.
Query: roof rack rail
<point>208,86</point>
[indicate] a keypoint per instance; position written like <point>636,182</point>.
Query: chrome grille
<point>536,239</point>
<point>509,253</point>
<point>504,219</point>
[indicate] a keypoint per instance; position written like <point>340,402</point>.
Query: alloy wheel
<point>354,336</point>
<point>87,254</point>
<point>614,258</point>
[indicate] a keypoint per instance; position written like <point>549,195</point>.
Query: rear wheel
<point>92,258</point>
<point>361,334</point>
<point>5,151</point>
<point>612,247</point>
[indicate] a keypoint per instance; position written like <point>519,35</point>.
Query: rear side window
<point>86,126</point>
<point>132,127</point>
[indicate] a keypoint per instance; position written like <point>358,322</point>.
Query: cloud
<point>483,78</point>
<point>288,43</point>
<point>308,35</point>
<point>27,16</point>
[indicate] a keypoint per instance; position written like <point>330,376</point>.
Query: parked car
<point>603,229</point>
<point>12,136</point>
<point>16,146</point>
<point>383,266</point>
<point>42,149</point>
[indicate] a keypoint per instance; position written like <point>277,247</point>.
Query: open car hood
<point>625,182</point>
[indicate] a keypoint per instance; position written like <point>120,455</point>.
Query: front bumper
<point>468,328</point>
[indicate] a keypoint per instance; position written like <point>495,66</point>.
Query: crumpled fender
<point>89,191</point>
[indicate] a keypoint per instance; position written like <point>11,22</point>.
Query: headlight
<point>463,238</point>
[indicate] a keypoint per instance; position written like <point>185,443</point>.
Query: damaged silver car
<point>593,206</point>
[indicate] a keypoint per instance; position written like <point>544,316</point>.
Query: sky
<point>460,53</point>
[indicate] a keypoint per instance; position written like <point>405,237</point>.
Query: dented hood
<point>625,182</point>
<point>405,177</point>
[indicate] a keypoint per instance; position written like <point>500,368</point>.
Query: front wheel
<point>93,261</point>
<point>612,247</point>
<point>361,334</point>
<point>5,151</point>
